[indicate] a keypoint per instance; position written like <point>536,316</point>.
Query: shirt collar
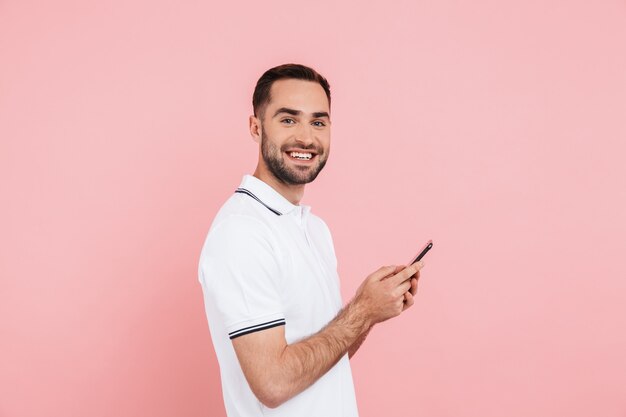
<point>269,197</point>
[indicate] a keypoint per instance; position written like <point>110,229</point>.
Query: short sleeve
<point>239,267</point>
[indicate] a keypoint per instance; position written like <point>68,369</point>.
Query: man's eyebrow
<point>293,112</point>
<point>319,114</point>
<point>288,111</point>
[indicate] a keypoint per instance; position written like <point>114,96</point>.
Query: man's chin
<point>298,178</point>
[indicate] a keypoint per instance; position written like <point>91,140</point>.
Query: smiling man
<point>269,273</point>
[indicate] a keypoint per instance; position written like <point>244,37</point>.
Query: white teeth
<point>299,155</point>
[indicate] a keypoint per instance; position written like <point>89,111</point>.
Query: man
<point>269,273</point>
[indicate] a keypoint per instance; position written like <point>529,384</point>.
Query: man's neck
<point>293,193</point>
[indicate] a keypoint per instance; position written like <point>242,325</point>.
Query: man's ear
<point>255,129</point>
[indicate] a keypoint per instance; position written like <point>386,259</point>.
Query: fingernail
<point>421,264</point>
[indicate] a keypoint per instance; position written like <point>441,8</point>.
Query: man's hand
<point>387,292</point>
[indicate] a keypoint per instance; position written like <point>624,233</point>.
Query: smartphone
<point>421,253</point>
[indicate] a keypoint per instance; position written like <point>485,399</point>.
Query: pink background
<point>495,128</point>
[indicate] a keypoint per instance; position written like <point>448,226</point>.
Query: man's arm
<point>277,371</point>
<point>356,345</point>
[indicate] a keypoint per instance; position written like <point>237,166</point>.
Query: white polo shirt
<point>267,262</point>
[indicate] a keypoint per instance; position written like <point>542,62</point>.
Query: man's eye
<point>288,121</point>
<point>319,124</point>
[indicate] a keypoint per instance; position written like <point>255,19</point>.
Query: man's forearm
<point>304,362</point>
<point>356,345</point>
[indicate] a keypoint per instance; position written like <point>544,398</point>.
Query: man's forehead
<point>306,96</point>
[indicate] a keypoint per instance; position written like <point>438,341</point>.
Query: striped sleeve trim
<point>256,328</point>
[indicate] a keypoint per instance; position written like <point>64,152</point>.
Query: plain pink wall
<point>495,128</point>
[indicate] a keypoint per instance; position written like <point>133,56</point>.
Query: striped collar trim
<point>251,194</point>
<point>267,196</point>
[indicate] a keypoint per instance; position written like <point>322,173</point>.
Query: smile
<point>301,155</point>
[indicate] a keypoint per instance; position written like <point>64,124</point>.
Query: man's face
<point>295,131</point>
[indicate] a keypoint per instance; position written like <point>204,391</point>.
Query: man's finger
<point>399,268</point>
<point>384,271</point>
<point>413,288</point>
<point>415,275</point>
<point>402,288</point>
<point>407,272</point>
<point>395,271</point>
<point>408,300</point>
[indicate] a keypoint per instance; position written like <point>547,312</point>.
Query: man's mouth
<point>301,156</point>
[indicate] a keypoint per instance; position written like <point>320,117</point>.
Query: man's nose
<point>305,135</point>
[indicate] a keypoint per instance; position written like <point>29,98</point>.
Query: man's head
<point>262,92</point>
<point>291,122</point>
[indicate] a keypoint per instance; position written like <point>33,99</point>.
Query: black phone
<point>423,252</point>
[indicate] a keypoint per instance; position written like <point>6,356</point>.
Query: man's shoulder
<point>239,222</point>
<point>237,211</point>
<point>236,229</point>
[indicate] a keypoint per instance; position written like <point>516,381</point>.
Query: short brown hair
<point>261,96</point>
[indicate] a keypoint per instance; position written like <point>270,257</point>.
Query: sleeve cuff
<point>257,327</point>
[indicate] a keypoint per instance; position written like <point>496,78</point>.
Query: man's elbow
<point>271,394</point>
